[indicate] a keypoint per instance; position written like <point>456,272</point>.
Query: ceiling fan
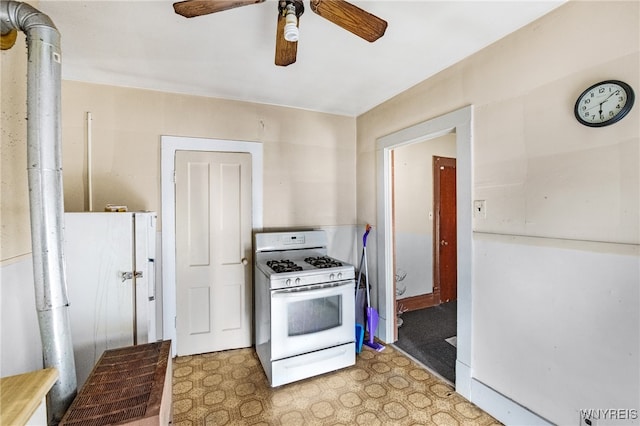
<point>340,12</point>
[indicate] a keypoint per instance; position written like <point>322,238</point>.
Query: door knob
<point>444,243</point>
<point>244,261</point>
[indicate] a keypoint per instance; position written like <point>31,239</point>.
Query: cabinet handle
<point>129,275</point>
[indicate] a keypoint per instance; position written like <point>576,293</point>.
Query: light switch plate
<point>480,209</point>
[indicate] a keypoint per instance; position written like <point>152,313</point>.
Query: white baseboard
<point>499,406</point>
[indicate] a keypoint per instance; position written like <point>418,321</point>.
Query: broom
<point>372,314</point>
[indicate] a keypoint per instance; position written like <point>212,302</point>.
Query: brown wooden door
<point>445,278</point>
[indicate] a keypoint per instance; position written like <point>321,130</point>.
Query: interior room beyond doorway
<point>418,209</point>
<point>414,219</point>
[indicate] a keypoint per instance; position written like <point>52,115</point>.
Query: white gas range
<point>305,307</point>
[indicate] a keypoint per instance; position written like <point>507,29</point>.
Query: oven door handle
<point>319,289</point>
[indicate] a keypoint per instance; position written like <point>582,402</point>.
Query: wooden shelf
<point>21,395</point>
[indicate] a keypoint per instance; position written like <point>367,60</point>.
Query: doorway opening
<point>457,123</point>
<point>424,223</point>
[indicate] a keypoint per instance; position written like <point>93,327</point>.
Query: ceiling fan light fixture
<point>291,32</point>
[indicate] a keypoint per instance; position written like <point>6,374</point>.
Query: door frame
<point>169,146</point>
<point>460,123</point>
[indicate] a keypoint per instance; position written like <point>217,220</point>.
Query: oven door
<point>309,318</point>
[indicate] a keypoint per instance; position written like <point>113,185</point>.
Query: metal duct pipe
<point>44,157</point>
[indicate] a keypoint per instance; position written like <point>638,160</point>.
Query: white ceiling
<point>230,54</point>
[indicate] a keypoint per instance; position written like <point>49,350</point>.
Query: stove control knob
<point>287,282</point>
<point>339,275</point>
<point>332,277</point>
<point>297,281</point>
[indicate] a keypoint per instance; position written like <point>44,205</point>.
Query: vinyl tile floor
<point>382,388</point>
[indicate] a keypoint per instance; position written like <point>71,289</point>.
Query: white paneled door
<point>213,251</point>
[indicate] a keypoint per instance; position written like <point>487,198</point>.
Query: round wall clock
<point>604,103</point>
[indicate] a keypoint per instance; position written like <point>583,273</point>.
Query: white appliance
<point>305,307</point>
<point>111,283</point>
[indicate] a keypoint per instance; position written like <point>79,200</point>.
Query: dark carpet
<point>422,336</point>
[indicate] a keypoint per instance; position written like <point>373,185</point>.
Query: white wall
<point>309,163</point>
<point>20,346</point>
<point>560,316</point>
<point>341,242</point>
<point>414,261</point>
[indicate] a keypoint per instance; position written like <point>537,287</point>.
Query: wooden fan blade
<point>286,51</point>
<point>193,8</point>
<point>351,18</point>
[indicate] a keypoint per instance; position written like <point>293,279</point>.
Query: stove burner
<point>323,262</point>
<point>284,265</point>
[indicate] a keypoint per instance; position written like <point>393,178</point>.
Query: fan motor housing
<point>282,7</point>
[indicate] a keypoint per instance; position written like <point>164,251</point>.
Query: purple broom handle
<point>364,237</point>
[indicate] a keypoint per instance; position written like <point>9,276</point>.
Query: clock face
<point>604,103</point>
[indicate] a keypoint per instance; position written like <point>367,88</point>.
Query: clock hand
<point>607,98</point>
<point>592,107</point>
